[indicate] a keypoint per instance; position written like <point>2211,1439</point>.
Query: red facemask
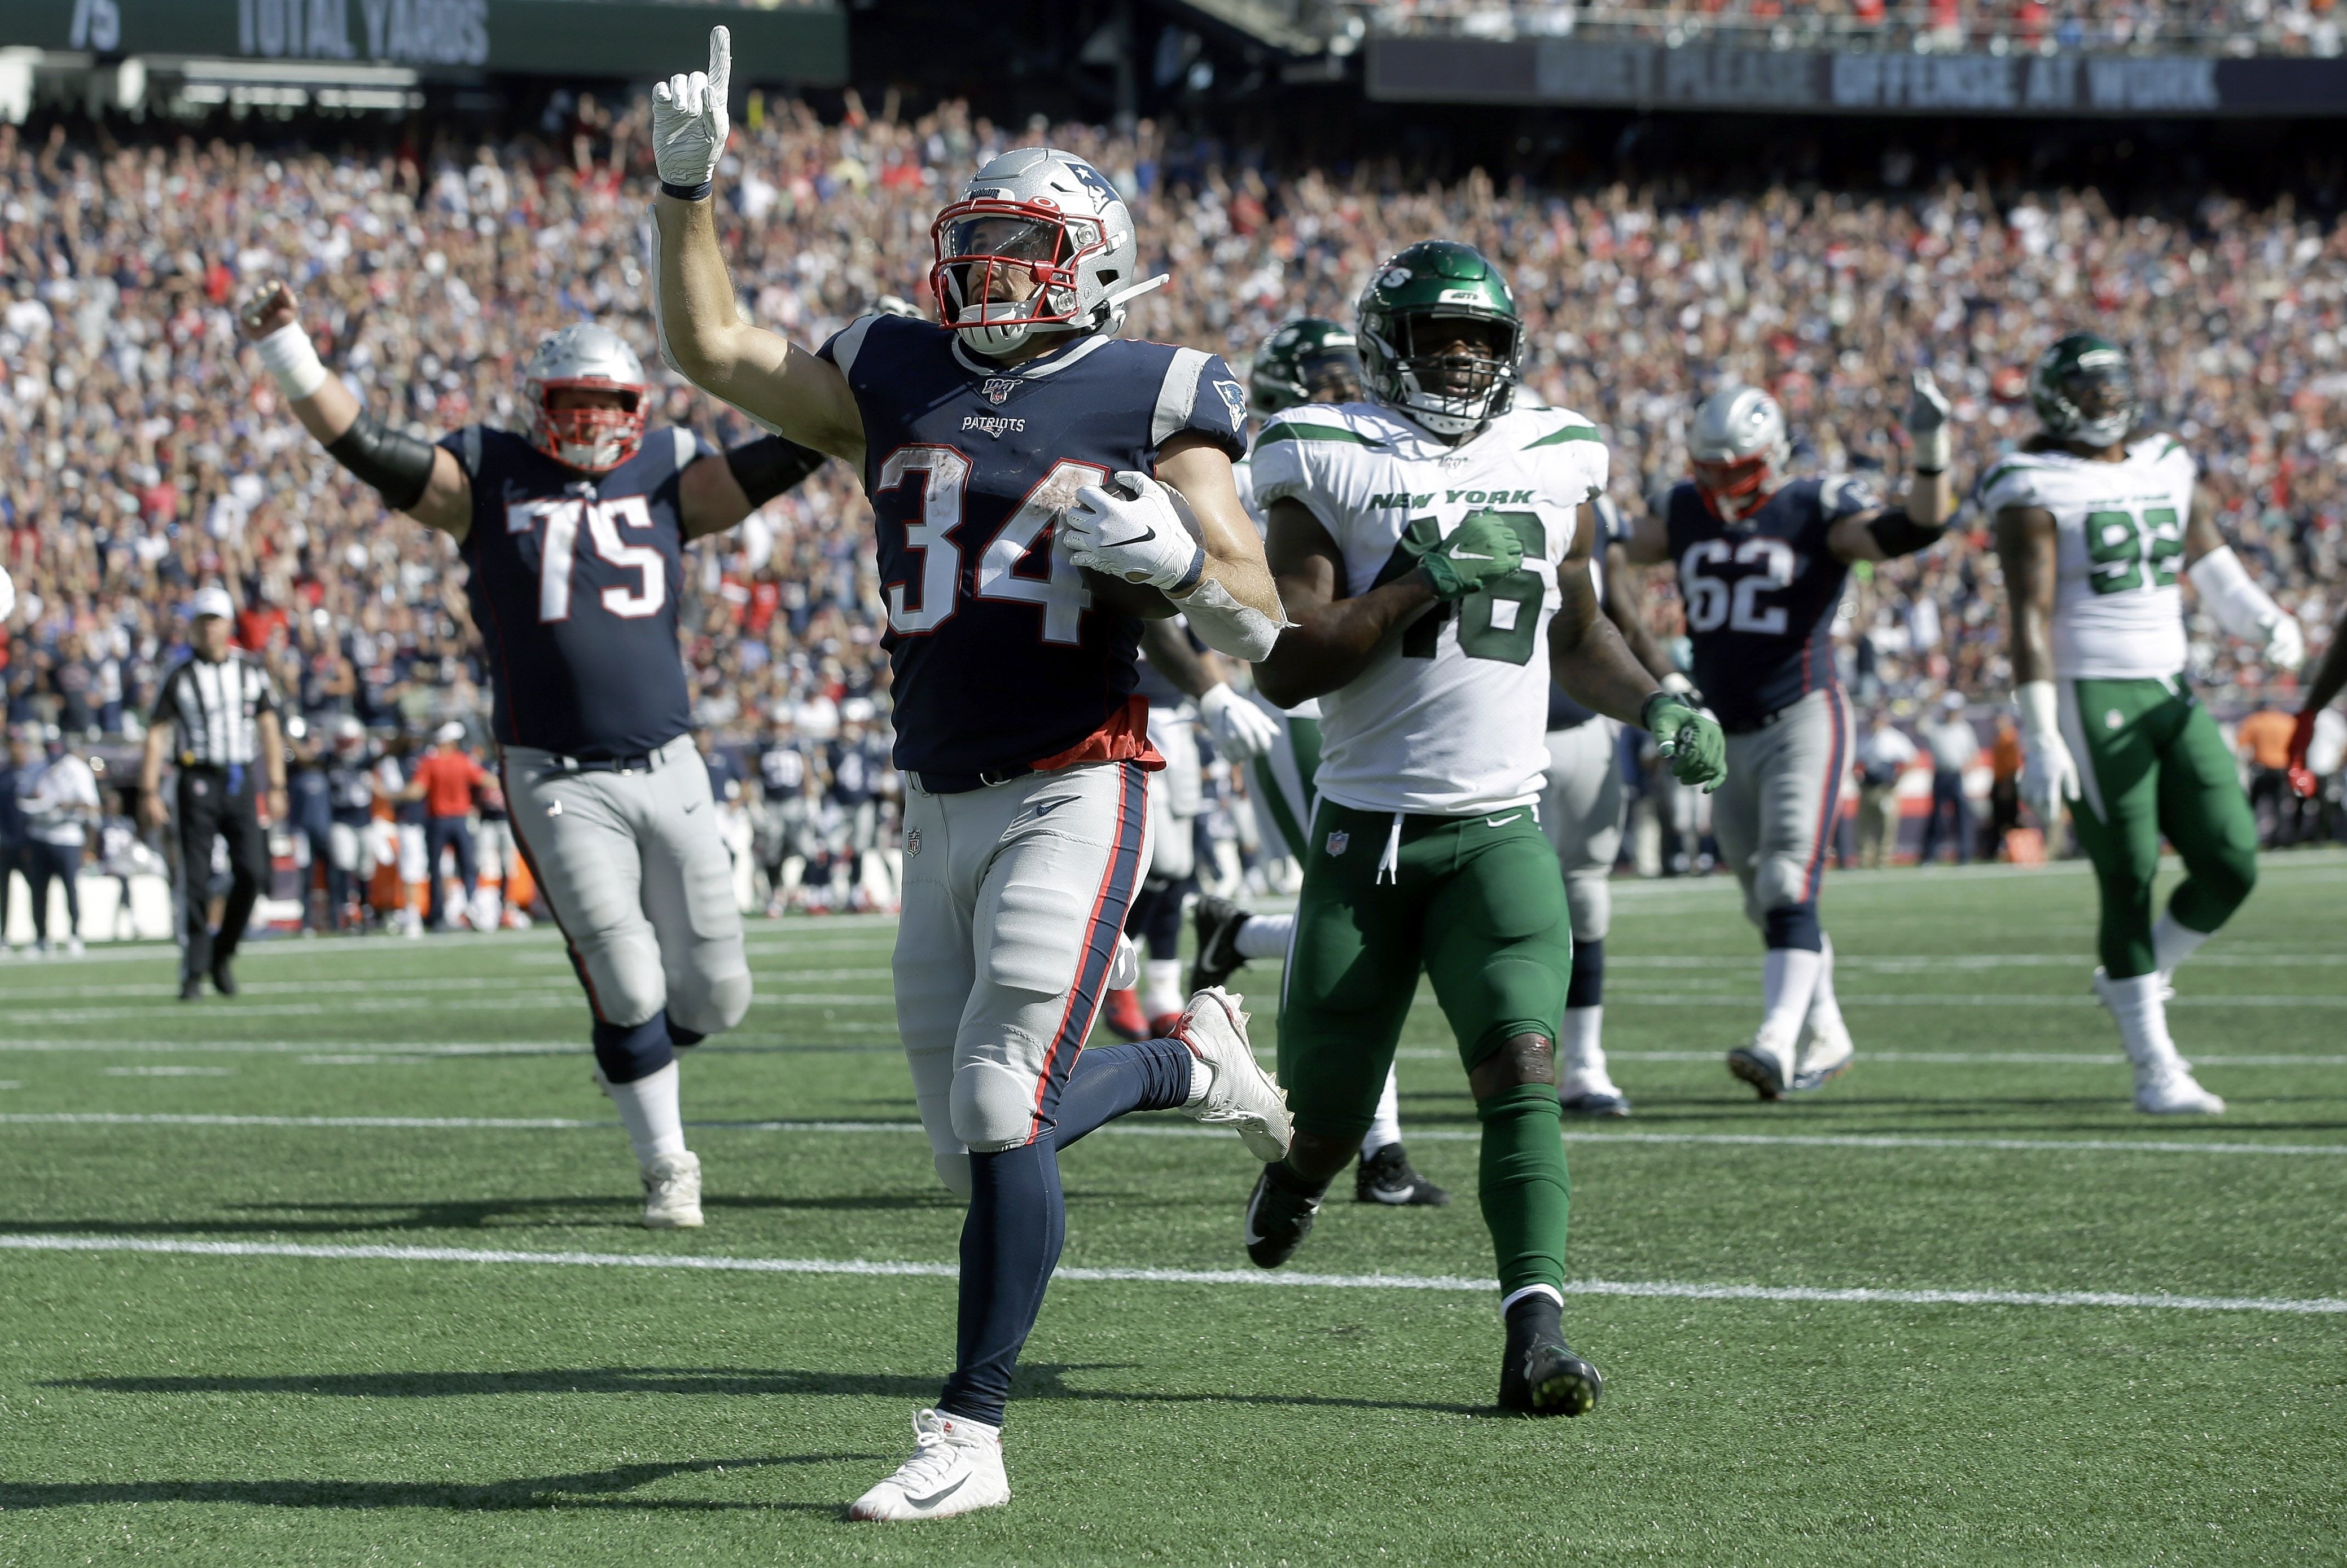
<point>591,440</point>
<point>1738,489</point>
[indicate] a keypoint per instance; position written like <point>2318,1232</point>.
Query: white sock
<point>1584,1057</point>
<point>2142,1019</point>
<point>2171,943</point>
<point>1385,1127</point>
<point>1788,980</point>
<point>648,1111</point>
<point>1162,988</point>
<point>1264,935</point>
<point>1825,1013</point>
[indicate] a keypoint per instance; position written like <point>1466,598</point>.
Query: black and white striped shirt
<point>215,709</point>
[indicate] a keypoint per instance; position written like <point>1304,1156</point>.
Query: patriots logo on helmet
<point>1234,399</point>
<point>1091,180</point>
<point>999,387</point>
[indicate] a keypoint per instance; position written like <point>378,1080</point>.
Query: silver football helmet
<point>1740,450</point>
<point>1038,239</point>
<point>594,358</point>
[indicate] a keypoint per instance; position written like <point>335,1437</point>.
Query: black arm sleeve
<point>765,469</point>
<point>397,464</point>
<point>1901,535</point>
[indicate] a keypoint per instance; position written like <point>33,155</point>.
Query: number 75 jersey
<point>1449,717</point>
<point>2119,544</point>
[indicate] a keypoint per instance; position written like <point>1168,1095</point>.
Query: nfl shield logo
<point>1337,841</point>
<point>912,842</point>
<point>999,387</point>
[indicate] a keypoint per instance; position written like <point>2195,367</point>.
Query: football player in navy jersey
<point>1761,557</point>
<point>1020,459</point>
<point>574,530</point>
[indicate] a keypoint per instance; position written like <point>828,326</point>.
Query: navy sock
<point>1110,1080</point>
<point>1586,988</point>
<point>1009,1244</point>
<point>1794,926</point>
<point>628,1051</point>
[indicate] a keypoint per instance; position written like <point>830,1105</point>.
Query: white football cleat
<point>1239,1093</point>
<point>1825,1054</point>
<point>2170,1089</point>
<point>672,1193</point>
<point>1767,1064</point>
<point>956,1467</point>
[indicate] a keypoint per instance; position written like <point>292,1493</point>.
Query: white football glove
<point>1930,418</point>
<point>1139,538</point>
<point>689,127</point>
<point>1241,731</point>
<point>2049,774</point>
<point>2286,644</point>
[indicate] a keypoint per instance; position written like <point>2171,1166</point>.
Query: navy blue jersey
<point>1613,528</point>
<point>1001,661</point>
<point>574,587</point>
<point>1760,594</point>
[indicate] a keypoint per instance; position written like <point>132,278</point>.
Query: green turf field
<point>1865,1327</point>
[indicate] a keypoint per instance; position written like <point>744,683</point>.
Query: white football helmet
<point>1740,450</point>
<point>592,440</point>
<point>1038,239</point>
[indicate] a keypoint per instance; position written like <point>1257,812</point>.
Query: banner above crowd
<point>1561,72</point>
<point>628,40</point>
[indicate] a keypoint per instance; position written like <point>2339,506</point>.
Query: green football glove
<point>1689,739</point>
<point>1479,551</point>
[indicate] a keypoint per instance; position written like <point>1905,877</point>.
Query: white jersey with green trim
<point>1449,716</point>
<point>2118,547</point>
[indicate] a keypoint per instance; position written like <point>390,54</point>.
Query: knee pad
<point>622,977</point>
<point>628,1053</point>
<point>1589,900</point>
<point>710,1004</point>
<point>993,1107</point>
<point>1779,880</point>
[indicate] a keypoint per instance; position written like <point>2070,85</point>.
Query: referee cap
<point>210,601</point>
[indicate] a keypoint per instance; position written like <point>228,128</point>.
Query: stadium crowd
<point>141,458</point>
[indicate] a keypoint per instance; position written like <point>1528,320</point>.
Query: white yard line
<point>859,1267</point>
<point>1161,1130</point>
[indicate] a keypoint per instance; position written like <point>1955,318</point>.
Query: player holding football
<point>574,531</point>
<point>2092,529</point>
<point>1008,457</point>
<point>1761,559</point>
<point>1433,545</point>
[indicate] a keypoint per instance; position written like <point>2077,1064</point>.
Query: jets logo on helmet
<point>1740,450</point>
<point>1038,240</point>
<point>1308,360</point>
<point>2084,391</point>
<point>1440,337</point>
<point>592,437</point>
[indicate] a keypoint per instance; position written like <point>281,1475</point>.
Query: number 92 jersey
<point>2118,543</point>
<point>574,587</point>
<point>1000,662</point>
<point>1760,594</point>
<point>1449,717</point>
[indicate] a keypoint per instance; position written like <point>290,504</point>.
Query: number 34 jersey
<point>1761,593</point>
<point>2119,544</point>
<point>1001,661</point>
<point>1450,716</point>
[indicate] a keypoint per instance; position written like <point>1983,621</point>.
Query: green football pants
<point>2151,764</point>
<point>1478,903</point>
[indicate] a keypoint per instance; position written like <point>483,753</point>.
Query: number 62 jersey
<point>1450,718</point>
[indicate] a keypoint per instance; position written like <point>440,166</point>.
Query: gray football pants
<point>1774,814</point>
<point>1014,897</point>
<point>636,872</point>
<point>1580,811</point>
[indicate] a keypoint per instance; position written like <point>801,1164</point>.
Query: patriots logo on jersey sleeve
<point>1234,399</point>
<point>999,387</point>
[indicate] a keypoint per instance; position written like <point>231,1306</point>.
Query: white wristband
<point>2240,605</point>
<point>2036,702</point>
<point>288,354</point>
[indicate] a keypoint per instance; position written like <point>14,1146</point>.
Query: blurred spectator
<point>1882,756</point>
<point>444,781</point>
<point>2004,759</point>
<point>2263,742</point>
<point>57,795</point>
<point>1953,746</point>
<point>15,757</point>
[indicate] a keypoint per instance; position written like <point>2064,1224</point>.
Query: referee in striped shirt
<point>219,707</point>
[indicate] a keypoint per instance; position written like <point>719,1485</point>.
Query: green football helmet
<point>1414,309</point>
<point>1309,360</point>
<point>2084,391</point>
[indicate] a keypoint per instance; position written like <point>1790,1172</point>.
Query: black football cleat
<point>223,977</point>
<point>1278,1216</point>
<point>1387,1178</point>
<point>191,989</point>
<point>1614,1104</point>
<point>1216,922</point>
<point>1542,1376</point>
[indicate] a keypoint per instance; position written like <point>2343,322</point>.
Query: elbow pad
<point>1901,535</point>
<point>397,464</point>
<point>765,469</point>
<point>1228,627</point>
<point>2240,605</point>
